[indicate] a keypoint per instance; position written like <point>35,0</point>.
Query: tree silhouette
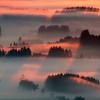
<point>59,52</point>
<point>63,83</point>
<point>23,52</point>
<point>53,29</point>
<point>89,39</point>
<point>79,98</point>
<point>2,53</point>
<point>28,85</point>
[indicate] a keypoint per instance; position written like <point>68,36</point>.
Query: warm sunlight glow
<point>79,80</point>
<point>27,6</point>
<point>45,47</point>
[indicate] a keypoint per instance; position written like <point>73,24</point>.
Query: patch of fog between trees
<point>10,91</point>
<point>37,95</point>
<point>77,24</point>
<point>30,24</point>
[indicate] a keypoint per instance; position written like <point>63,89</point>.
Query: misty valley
<point>49,53</point>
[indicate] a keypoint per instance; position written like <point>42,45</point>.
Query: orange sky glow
<point>46,46</point>
<point>30,6</point>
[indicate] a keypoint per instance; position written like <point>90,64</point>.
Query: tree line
<point>26,52</point>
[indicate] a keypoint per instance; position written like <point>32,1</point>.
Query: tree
<point>85,37</point>
<point>28,85</point>
<point>79,98</point>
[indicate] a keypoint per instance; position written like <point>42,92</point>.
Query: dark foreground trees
<point>72,83</point>
<point>61,98</point>
<point>89,39</point>
<point>28,85</point>
<point>64,98</point>
<point>59,52</point>
<point>2,53</point>
<point>23,52</point>
<point>79,98</point>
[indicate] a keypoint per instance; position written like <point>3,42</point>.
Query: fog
<point>27,26</point>
<point>37,70</point>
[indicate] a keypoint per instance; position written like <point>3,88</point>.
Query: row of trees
<point>79,8</point>
<point>22,52</point>
<point>25,52</point>
<point>53,29</point>
<point>59,52</point>
<point>15,53</point>
<point>28,85</point>
<point>63,83</point>
<point>85,39</point>
<point>68,75</point>
<point>64,98</point>
<point>89,39</point>
<point>68,39</point>
<point>83,8</point>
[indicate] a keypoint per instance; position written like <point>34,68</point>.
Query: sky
<point>31,6</point>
